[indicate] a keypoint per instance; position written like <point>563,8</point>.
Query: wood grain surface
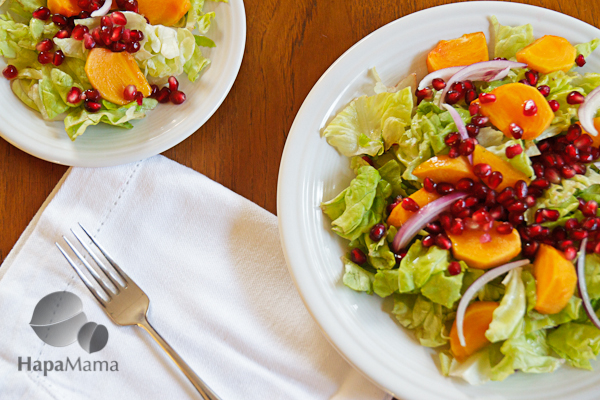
<point>290,43</point>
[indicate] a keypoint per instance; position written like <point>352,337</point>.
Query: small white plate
<point>358,325</point>
<point>163,128</point>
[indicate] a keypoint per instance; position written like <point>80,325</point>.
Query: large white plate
<point>359,325</point>
<point>163,128</point>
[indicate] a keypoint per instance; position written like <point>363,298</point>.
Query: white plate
<point>163,128</point>
<point>359,325</point>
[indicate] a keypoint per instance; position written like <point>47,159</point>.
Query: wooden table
<point>290,44</point>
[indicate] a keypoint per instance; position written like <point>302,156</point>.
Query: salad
<point>98,61</point>
<point>474,204</point>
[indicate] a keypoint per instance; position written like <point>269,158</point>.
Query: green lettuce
<point>443,288</point>
<point>419,264</point>
<point>535,321</point>
<point>508,317</point>
<point>426,318</point>
<point>592,275</point>
<point>520,162</point>
<point>391,172</point>
<point>370,124</point>
<point>386,282</point>
<point>530,289</point>
<point>379,254</point>
<point>587,48</point>
<point>509,40</point>
<point>576,343</point>
<point>357,278</point>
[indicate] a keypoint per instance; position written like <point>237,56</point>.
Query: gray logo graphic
<point>58,320</point>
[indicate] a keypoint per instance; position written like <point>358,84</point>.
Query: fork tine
<point>85,280</point>
<point>108,257</point>
<point>95,275</point>
<point>99,263</point>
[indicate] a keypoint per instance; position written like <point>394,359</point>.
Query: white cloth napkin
<point>211,264</point>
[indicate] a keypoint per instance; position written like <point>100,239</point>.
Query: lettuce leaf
<point>509,40</point>
<point>386,282</point>
<point>535,321</point>
<point>443,289</point>
<point>356,277</point>
<point>587,48</point>
<point>419,264</point>
<point>576,343</point>
<point>426,318</point>
<point>508,317</point>
<point>592,275</point>
<point>370,124</point>
<point>520,162</point>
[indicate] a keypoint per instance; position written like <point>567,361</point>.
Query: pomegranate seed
<point>482,170</point>
<point>572,152</point>
<point>578,234</point>
<point>83,15</point>
<point>480,190</point>
<point>490,198</point>
<point>504,228</point>
<point>570,253</point>
<point>10,72</point>
<point>393,205</point>
<point>495,179</point>
<point>532,77</point>
<point>74,95</point>
<point>446,220</point>
<point>472,130</point>
<point>583,141</point>
<point>429,185</point>
<point>540,216</point>
<point>529,108</point>
<point>400,255</point>
<point>177,97</point>
<point>554,105</point>
<point>497,212</point>
<point>438,84</point>
<point>481,216</point>
<point>129,92</point>
<point>589,224</point>
<point>377,232</point>
<point>470,201</point>
<point>60,20</point>
<point>139,98</point>
<point>454,268</point>
<point>567,171</point>
<point>521,189</point>
<point>443,242</point>
<point>579,168</point>
<point>530,248</point>
<point>479,120</point>
<point>58,58</point>
<point>119,18</point>
<point>589,209</point>
<point>118,47</point>
<point>544,90</point>
<point>540,184</point>
<point>126,36</point>
<point>45,57</point>
<point>596,247</point>
<point>571,224</point>
<point>458,87</point>
<point>575,98</point>
<point>515,130</point>
<point>85,5</point>
<point>474,109</point>
<point>79,31</point>
<point>470,96</point>
<point>137,36</point>
<point>41,13</point>
<point>485,238</point>
<point>544,147</point>
<point>559,233</point>
<point>453,152</point>
<point>514,150</point>
<point>485,98</point>
<point>468,85</point>
<point>453,97</point>
<point>88,41</point>
<point>451,139</point>
<point>106,21</point>
<point>105,34</point>
<point>428,241</point>
<point>357,256</point>
<point>163,95</point>
<point>529,201</point>
<point>444,188</point>
<point>517,206</point>
<point>134,47</point>
<point>424,94</point>
<point>410,205</point>
<point>96,35</point>
<point>524,82</point>
<point>551,215</point>
<point>457,227</point>
<point>91,94</point>
<point>368,160</point>
<point>457,207</point>
<point>464,184</point>
<point>580,60</point>
<point>524,232</point>
<point>92,106</point>
<point>131,5</point>
<point>552,175</point>
<point>44,45</point>
<point>549,160</point>
<point>173,83</point>
<point>563,244</point>
<point>467,147</point>
<point>434,227</point>
<point>63,34</point>
<point>117,32</point>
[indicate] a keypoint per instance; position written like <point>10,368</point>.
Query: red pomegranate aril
<point>429,185</point>
<point>126,36</point>
<point>472,225</point>
<point>118,47</point>
<point>515,130</point>
<point>424,94</point>
<point>524,82</point>
<point>139,35</point>
<point>106,21</point>
<point>443,242</point>
<point>559,233</point>
<point>377,231</point>
<point>129,92</point>
<point>589,224</point>
<point>524,232</point>
<point>464,184</point>
<point>580,60</point>
<point>92,106</point>
<point>504,228</point>
<point>134,47</point>
<point>96,35</point>
<point>551,215</point>
<point>444,188</point>
<point>482,170</point>
<point>539,170</point>
<point>540,216</point>
<point>552,175</point>
<point>529,108</point>
<point>574,132</point>
<point>44,45</point>
<point>544,146</point>
<point>486,98</point>
<point>513,150</point>
<point>358,256</point>
<point>516,218</point>
<point>91,95</point>
<point>596,248</point>
<point>481,216</point>
<point>117,32</point>
<point>434,228</point>
<point>540,184</point>
<point>530,248</point>
<point>428,241</point>
<point>572,152</point>
<point>454,268</point>
<point>85,5</point>
<point>173,83</point>
<point>480,190</point>
<point>74,95</point>
<point>163,95</point>
<point>468,85</point>
<point>410,205</point>
<point>79,32</point>
<point>451,139</point>
<point>45,57</point>
<point>529,201</point>
<point>58,58</point>
<point>139,98</point>
<point>369,160</point>
<point>521,189</point>
<point>453,152</point>
<point>579,168</point>
<point>583,141</point>
<point>549,160</point>
<point>131,5</point>
<point>589,208</point>
<point>457,227</point>
<point>575,98</point>
<point>438,84</point>
<point>517,206</point>
<point>458,87</point>
<point>532,77</point>
<point>453,97</point>
<point>457,207</point>
<point>399,256</point>
<point>563,244</point>
<point>571,224</point>
<point>472,130</point>
<point>60,20</point>
<point>470,96</point>
<point>389,208</point>
<point>495,179</point>
<point>534,230</point>
<point>578,234</point>
<point>178,97</point>
<point>466,213</point>
<point>446,220</point>
<point>490,199</point>
<point>554,105</point>
<point>471,201</point>
<point>63,34</point>
<point>544,90</point>
<point>567,171</point>
<point>570,253</point>
<point>497,212</point>
<point>10,72</point>
<point>560,161</point>
<point>41,13</point>
<point>474,109</point>
<point>88,41</point>
<point>118,18</point>
<point>479,120</point>
<point>467,147</point>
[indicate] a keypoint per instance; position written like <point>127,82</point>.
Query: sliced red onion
<point>476,287</point>
<point>103,10</point>
<point>425,215</point>
<point>460,125</point>
<point>587,111</point>
<point>581,285</point>
<point>444,73</point>
<point>487,71</point>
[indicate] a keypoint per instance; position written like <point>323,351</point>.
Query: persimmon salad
<point>102,61</point>
<point>475,202</point>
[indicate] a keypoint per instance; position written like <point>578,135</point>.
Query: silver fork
<point>127,304</point>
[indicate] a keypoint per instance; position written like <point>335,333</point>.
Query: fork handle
<point>201,387</point>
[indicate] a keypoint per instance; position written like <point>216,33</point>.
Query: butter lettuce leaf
<point>509,40</point>
<point>419,264</point>
<point>576,343</point>
<point>357,278</point>
<point>508,317</point>
<point>426,318</point>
